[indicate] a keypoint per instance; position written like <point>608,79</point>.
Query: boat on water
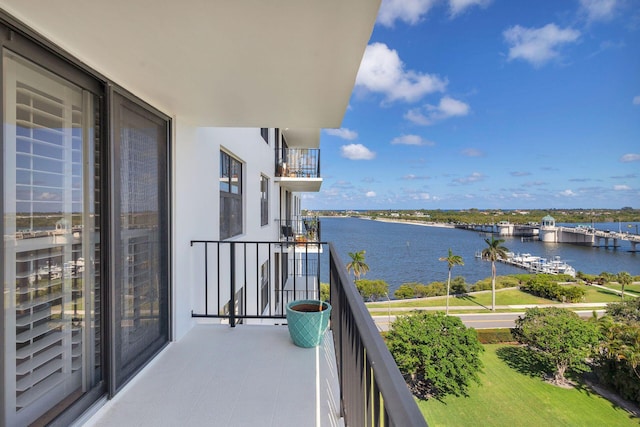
<point>537,264</point>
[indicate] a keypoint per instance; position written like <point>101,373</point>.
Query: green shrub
<point>459,286</point>
<point>546,286</point>
<point>436,289</point>
<point>501,282</point>
<point>372,290</point>
<point>405,291</point>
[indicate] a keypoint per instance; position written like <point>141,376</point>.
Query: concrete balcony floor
<point>250,375</point>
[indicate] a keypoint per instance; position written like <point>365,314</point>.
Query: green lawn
<point>600,295</point>
<point>506,297</point>
<point>503,297</point>
<point>510,398</point>
<point>635,288</point>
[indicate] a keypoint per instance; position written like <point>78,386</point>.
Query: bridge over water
<point>588,236</point>
<point>551,233</point>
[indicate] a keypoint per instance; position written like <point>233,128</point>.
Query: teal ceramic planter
<point>307,323</point>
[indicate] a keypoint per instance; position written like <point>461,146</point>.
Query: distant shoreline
<point>399,221</point>
<point>412,222</point>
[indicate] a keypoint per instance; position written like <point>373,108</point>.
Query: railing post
<point>206,277</point>
<point>232,301</point>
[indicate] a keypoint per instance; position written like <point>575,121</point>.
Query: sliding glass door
<point>51,217</point>
<point>141,227</point>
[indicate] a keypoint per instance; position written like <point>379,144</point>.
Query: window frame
<point>231,202</point>
<point>264,200</point>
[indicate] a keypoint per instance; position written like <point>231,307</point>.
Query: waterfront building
<point>131,130</point>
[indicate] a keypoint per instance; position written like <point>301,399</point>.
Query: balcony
<point>298,169</point>
<point>305,229</point>
<point>252,374</point>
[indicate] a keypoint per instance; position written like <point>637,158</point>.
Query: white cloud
<point>411,140</point>
<point>409,11</point>
<point>421,196</point>
<point>472,152</point>
<point>599,10</point>
<point>474,177</point>
<point>521,195</point>
<point>412,177</point>
<point>371,194</point>
<point>430,114</point>
<point>343,133</point>
<point>382,71</point>
<point>357,152</point>
<point>621,187</point>
<point>538,45</point>
<point>457,7</point>
<point>520,173</point>
<point>567,193</point>
<point>631,157</point>
<point>636,100</point>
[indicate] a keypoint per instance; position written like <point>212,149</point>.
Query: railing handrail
<point>400,408</point>
<point>304,274</point>
<point>302,162</point>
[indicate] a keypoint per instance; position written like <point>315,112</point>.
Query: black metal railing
<point>298,162</point>
<point>238,283</point>
<point>372,389</point>
<point>305,229</point>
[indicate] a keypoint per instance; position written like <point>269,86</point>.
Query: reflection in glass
<point>142,277</point>
<point>51,237</point>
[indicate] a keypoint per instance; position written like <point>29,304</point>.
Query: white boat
<point>536,264</point>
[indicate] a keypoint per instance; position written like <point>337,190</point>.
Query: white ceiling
<point>258,63</point>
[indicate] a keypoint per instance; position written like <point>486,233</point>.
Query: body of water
<point>402,253</point>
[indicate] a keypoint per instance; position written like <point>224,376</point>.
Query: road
<point>479,321</point>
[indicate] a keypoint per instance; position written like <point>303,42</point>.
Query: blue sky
<point>485,104</point>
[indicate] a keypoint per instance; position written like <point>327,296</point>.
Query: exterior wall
<point>548,234</point>
<point>196,198</point>
<point>576,238</point>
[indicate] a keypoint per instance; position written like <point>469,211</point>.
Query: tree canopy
<point>357,264</point>
<point>451,260</point>
<point>436,354</point>
<point>493,252</point>
<point>617,363</point>
<point>559,336</point>
<point>372,290</point>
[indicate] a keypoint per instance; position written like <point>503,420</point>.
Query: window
<point>265,134</point>
<point>264,200</point>
<point>141,198</point>
<point>51,224</point>
<point>230,196</point>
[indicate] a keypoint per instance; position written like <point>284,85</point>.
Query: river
<point>400,253</point>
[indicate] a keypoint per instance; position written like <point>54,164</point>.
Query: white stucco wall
<point>196,207</point>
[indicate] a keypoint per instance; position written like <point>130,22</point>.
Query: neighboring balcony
<point>305,229</point>
<point>252,374</point>
<point>298,169</point>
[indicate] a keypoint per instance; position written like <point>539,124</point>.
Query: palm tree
<point>357,264</point>
<point>494,252</point>
<point>624,279</point>
<point>451,261</point>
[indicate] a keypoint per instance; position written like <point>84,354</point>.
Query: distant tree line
<point>492,216</point>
